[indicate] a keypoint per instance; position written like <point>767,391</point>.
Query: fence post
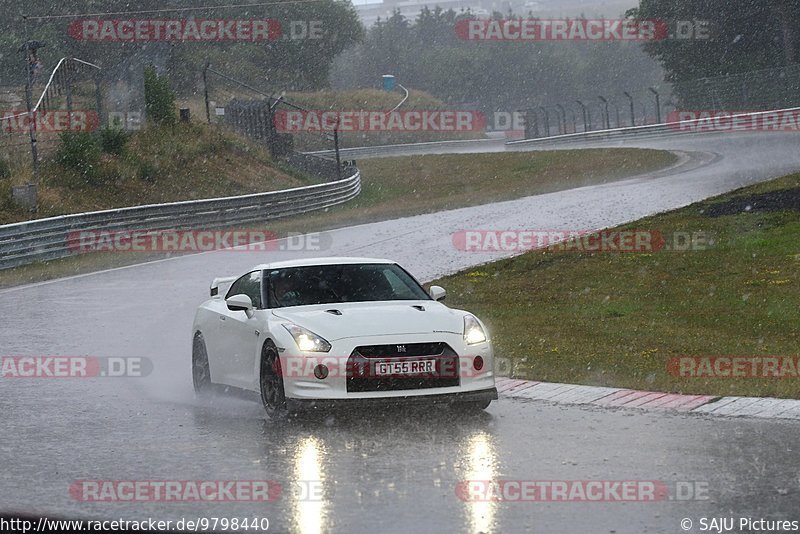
<point>546,121</point>
<point>98,97</point>
<point>531,124</point>
<point>29,101</point>
<point>658,104</point>
<point>205,91</point>
<point>68,86</point>
<point>563,119</point>
<point>336,145</point>
<point>605,106</point>
<point>633,112</point>
<point>585,118</point>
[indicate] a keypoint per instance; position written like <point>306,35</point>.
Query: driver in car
<point>286,290</point>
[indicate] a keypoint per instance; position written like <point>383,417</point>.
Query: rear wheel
<point>201,375</point>
<point>273,396</point>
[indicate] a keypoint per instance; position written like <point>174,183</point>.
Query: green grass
<point>615,319</point>
<point>398,187</point>
<point>403,186</point>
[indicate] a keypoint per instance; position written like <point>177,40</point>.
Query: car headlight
<point>306,340</point>
<point>473,331</point>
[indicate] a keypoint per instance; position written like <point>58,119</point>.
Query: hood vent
<point>418,308</point>
<point>334,312</point>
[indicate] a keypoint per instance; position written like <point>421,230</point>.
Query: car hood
<point>374,318</point>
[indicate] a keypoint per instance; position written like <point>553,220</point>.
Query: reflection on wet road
<point>379,470</point>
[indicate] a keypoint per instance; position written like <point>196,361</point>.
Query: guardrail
<point>430,147</point>
<point>737,124</point>
<point>650,131</point>
<point>55,237</point>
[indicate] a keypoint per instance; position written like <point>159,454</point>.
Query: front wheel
<point>273,396</point>
<point>201,375</point>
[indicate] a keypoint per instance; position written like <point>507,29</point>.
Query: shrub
<point>112,140</point>
<point>5,169</point>
<point>159,99</point>
<point>147,172</point>
<point>79,152</point>
<point>5,195</point>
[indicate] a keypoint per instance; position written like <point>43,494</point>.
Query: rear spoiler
<point>222,280</point>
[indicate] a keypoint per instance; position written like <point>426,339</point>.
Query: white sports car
<point>333,330</point>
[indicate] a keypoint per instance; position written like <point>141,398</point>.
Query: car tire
<point>201,373</point>
<point>273,395</point>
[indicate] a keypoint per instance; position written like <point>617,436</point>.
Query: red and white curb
<point>649,400</point>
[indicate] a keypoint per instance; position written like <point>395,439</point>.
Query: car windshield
<point>326,284</point>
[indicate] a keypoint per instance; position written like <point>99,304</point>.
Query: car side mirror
<point>240,302</point>
<point>437,293</point>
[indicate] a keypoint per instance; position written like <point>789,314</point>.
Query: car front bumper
<point>301,384</point>
<point>483,395</point>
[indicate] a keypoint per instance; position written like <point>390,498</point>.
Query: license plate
<point>414,367</point>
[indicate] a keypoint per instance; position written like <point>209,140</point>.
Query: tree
<point>428,55</point>
<point>301,64</point>
<point>159,98</point>
<point>745,36</point>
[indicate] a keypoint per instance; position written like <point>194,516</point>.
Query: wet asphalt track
<point>378,471</point>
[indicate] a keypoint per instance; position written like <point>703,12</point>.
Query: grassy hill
<point>157,164</point>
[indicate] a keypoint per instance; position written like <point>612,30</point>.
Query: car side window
<point>250,285</point>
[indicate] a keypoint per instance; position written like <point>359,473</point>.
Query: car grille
<point>362,375</point>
